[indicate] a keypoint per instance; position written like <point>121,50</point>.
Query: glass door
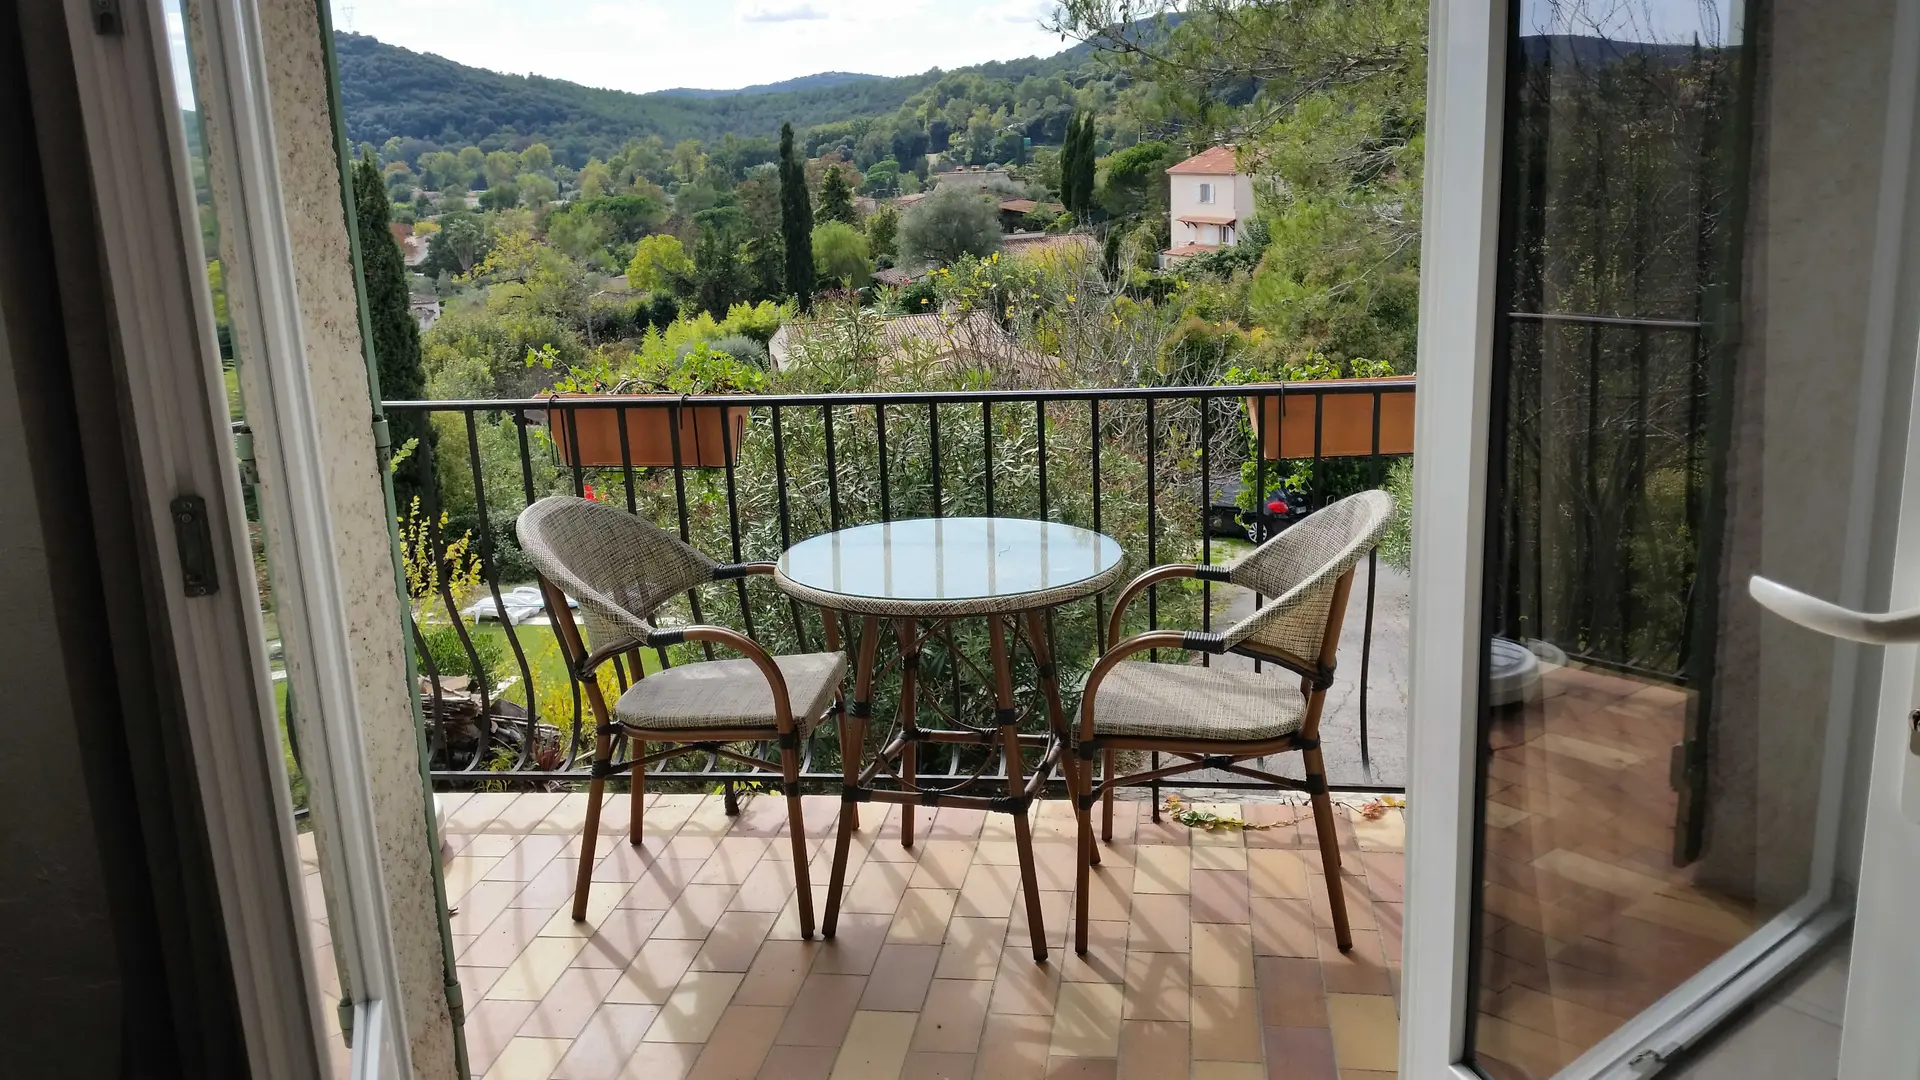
<point>1676,387</point>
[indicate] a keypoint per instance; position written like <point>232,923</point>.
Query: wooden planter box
<point>1346,418</point>
<point>704,440</point>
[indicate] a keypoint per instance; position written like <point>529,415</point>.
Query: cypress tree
<point>836,198</point>
<point>796,221</point>
<point>1083,167</point>
<point>1069,151</point>
<point>396,336</point>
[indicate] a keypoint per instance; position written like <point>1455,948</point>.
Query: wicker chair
<point>620,569</point>
<point>1213,717</point>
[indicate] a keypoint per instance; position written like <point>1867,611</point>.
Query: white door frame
<point>1468,41</point>
<point>310,597</point>
<point>161,324</point>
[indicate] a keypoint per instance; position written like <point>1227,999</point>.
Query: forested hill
<point>804,82</point>
<point>389,91</point>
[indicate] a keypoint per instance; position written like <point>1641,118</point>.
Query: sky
<point>646,45</point>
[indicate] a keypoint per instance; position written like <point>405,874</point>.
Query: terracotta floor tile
<point>1366,1031</point>
<point>956,823</point>
<point>505,938</point>
<point>659,883</point>
<point>1056,918</point>
<point>989,891</point>
<point>523,813</point>
<point>527,858</point>
<point>778,970</point>
<point>1292,991</point>
<point>476,981</point>
<point>921,918</point>
<point>1277,872</point>
<point>1086,1021</point>
<point>1219,896</point>
<point>735,940</point>
<point>480,906</point>
<point>878,887</point>
<point>1367,1074</point>
<point>1109,893</point>
<point>924,1065</point>
<point>943,864</point>
<point>734,859</point>
<point>1153,1050</point>
<point>1388,832</point>
<point>1283,927</point>
<point>603,899</point>
<point>741,1043</point>
<point>549,888</point>
<point>900,977</point>
<point>786,927</point>
<point>1300,1053</point>
<point>1106,958</point>
<point>766,887</point>
<point>1159,986</point>
<point>1360,971</point>
<point>491,1025</point>
<point>822,1011</point>
<point>1226,1023</point>
<point>875,1047</point>
<point>478,811</point>
<point>997,852</point>
<point>1161,868</point>
<point>1053,865</point>
<point>1228,1070</point>
<point>1013,1047</point>
<point>617,939</point>
<point>459,874</point>
<point>1216,856</point>
<point>1161,923</point>
<point>972,949</point>
<point>528,1059</point>
<point>536,969</point>
<point>855,946</point>
<point>1359,908</point>
<point>799,1063</point>
<point>661,1061</point>
<point>953,1016</point>
<point>564,1012</point>
<point>695,912</point>
<point>1389,918</point>
<point>1024,987</point>
<point>659,967</point>
<point>601,1050</point>
<point>570,816</point>
<point>693,1009</point>
<point>1080,1068</point>
<point>1222,954</point>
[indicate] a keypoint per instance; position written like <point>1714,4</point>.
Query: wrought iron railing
<point>1160,469</point>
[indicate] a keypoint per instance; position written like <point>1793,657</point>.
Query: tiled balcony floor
<point>1212,954</point>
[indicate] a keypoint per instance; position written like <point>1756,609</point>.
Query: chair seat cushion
<point>1187,701</point>
<point>730,694</point>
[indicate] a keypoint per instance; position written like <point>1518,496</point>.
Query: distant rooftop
<point>1216,161</point>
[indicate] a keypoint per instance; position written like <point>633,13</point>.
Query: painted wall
<point>1233,197</point>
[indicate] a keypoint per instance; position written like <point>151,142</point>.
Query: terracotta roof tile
<point>1217,161</point>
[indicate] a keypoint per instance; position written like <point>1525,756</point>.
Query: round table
<point>924,571</point>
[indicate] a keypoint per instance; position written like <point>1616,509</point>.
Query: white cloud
<point>800,13</point>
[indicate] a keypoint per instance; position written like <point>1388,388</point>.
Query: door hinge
<point>106,17</point>
<point>194,539</point>
<point>344,1009</point>
<point>243,453</point>
<point>1913,733</point>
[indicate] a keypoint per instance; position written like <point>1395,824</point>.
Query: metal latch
<point>106,17</point>
<point>1913,733</point>
<point>194,538</point>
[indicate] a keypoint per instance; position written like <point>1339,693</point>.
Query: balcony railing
<point>1156,468</point>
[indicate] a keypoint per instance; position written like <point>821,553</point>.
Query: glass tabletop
<point>946,560</point>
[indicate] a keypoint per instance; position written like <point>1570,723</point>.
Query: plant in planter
<point>707,436</point>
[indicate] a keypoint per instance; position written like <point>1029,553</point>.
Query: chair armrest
<point>1133,646</point>
<point>728,571</point>
<point>1150,578</point>
<point>745,646</point>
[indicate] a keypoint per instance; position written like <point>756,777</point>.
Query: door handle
<point>1892,628</point>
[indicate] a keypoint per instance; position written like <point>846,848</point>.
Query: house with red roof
<point>1209,199</point>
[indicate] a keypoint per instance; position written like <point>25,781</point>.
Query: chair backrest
<point>618,567</point>
<point>1300,569</point>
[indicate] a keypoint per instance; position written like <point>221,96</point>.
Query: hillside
<point>804,82</point>
<point>388,91</point>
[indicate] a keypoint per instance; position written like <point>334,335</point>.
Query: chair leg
<point>596,791</point>
<point>1079,784</point>
<point>639,792</point>
<point>1106,798</point>
<point>843,839</point>
<point>797,825</point>
<point>1329,849</point>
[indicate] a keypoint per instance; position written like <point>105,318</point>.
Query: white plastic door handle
<point>1893,628</point>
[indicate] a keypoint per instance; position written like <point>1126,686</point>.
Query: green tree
<point>502,196</point>
<point>1079,179</point>
<point>537,159</point>
<point>658,262</point>
<point>836,198</point>
<point>950,223</point>
<point>796,221</point>
<point>882,226</point>
<point>840,254</point>
<point>536,190</point>
<point>596,179</point>
<point>396,336</point>
<point>500,167</point>
<point>1069,167</point>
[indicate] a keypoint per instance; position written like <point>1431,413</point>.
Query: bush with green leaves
<point>948,224</point>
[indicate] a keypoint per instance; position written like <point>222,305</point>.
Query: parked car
<point>1225,517</point>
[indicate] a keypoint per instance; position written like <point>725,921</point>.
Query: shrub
<point>450,657</point>
<point>950,223</point>
<point>919,297</point>
<point>741,348</point>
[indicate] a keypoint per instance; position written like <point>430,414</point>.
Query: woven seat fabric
<point>619,568</point>
<point>730,694</point>
<point>1189,702</point>
<point>1299,569</point>
<point>964,607</point>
